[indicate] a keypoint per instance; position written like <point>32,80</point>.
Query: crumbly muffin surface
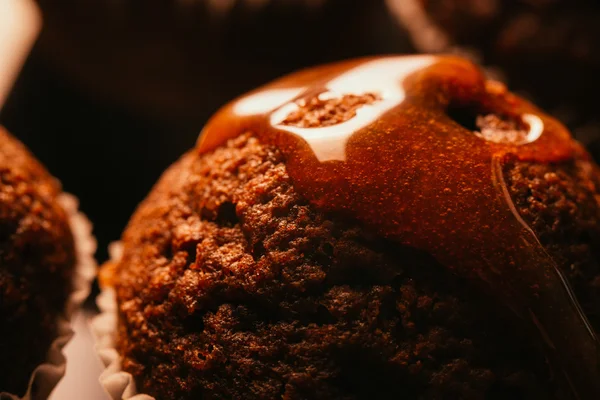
<point>37,258</point>
<point>232,286</point>
<point>561,205</point>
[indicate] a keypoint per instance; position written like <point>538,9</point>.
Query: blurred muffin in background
<point>40,267</point>
<point>177,58</point>
<point>549,49</point>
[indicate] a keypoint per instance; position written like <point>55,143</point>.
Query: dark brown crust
<point>37,258</point>
<point>561,204</point>
<point>231,286</point>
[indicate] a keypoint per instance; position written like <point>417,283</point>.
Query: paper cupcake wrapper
<point>47,375</point>
<point>119,384</point>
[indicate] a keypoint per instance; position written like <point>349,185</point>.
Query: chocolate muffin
<point>383,228</point>
<point>37,263</point>
<point>546,48</point>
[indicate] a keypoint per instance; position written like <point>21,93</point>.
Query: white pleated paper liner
<point>119,384</point>
<point>47,375</point>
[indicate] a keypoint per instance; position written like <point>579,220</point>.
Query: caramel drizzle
<point>407,171</point>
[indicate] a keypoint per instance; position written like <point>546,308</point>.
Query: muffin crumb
<point>322,110</point>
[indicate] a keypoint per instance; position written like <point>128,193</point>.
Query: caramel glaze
<point>409,172</point>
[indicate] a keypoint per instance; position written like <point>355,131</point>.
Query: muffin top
<point>37,259</point>
<point>338,183</point>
